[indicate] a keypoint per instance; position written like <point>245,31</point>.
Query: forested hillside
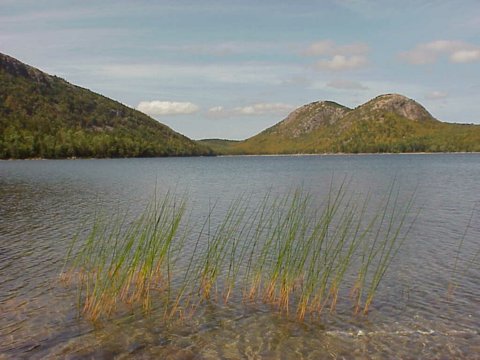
<point>387,123</point>
<point>43,116</point>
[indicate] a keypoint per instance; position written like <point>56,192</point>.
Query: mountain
<point>45,116</point>
<point>387,123</point>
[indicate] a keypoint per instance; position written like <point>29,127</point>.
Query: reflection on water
<point>43,203</point>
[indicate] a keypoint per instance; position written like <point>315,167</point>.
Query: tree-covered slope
<point>45,116</point>
<point>388,123</point>
<point>219,146</point>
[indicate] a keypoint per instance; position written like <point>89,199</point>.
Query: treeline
<point>17,143</point>
<point>398,135</point>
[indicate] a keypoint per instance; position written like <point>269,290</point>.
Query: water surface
<point>43,203</point>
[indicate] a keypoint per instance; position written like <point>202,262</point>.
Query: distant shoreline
<point>256,155</point>
<point>356,154</point>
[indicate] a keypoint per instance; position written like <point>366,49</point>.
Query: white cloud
<point>436,95</point>
<point>337,57</point>
<point>216,109</point>
<point>346,85</point>
<point>263,108</point>
<point>464,56</point>
<point>167,107</point>
<point>218,112</point>
<point>251,110</point>
<point>330,48</point>
<point>342,62</point>
<point>428,53</point>
<point>442,45</point>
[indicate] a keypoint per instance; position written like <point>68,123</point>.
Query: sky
<point>229,69</point>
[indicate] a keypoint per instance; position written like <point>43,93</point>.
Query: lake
<point>44,203</point>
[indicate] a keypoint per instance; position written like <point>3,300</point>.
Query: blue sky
<point>229,69</point>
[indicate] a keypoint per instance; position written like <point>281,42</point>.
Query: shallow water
<point>43,203</point>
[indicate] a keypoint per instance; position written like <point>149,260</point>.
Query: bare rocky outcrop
<point>397,104</point>
<point>310,117</point>
<point>16,68</point>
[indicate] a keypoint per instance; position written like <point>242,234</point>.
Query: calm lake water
<point>44,203</point>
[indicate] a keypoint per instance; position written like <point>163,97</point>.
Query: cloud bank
<point>346,85</point>
<point>329,47</point>
<point>342,62</point>
<point>167,107</point>
<point>428,53</point>
<point>336,57</point>
<point>251,110</point>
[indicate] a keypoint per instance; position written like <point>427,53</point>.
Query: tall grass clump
<point>387,231</point>
<point>294,251</point>
<point>221,250</point>
<point>124,260</point>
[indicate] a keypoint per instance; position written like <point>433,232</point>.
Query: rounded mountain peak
<point>310,117</point>
<point>400,105</point>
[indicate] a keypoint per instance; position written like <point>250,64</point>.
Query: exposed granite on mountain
<point>17,68</point>
<point>316,115</point>
<point>310,117</point>
<point>398,104</point>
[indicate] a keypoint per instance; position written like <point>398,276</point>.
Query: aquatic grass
<point>393,241</point>
<point>284,235</point>
<point>124,262</point>
<point>349,241</point>
<point>284,250</point>
<point>65,273</point>
<point>319,247</point>
<point>257,263</point>
<point>385,234</point>
<point>252,276</point>
<point>218,243</point>
<point>242,244</point>
<point>370,250</point>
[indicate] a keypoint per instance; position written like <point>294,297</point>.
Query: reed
<point>122,261</point>
<point>383,238</point>
<point>287,251</point>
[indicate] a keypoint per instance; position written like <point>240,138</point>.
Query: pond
<point>426,306</point>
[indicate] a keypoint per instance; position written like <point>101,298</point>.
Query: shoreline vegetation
<point>357,154</point>
<point>256,155</point>
<point>296,254</point>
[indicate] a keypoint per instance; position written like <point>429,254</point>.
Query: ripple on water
<point>42,204</point>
